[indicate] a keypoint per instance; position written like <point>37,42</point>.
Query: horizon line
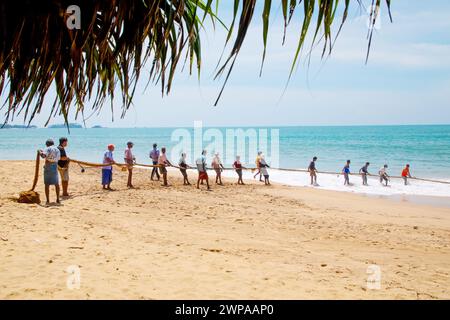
<point>234,126</point>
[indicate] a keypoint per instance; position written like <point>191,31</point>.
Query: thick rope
<point>96,165</point>
<point>90,164</point>
<point>359,174</point>
<point>36,171</point>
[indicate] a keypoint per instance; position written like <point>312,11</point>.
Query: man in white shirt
<point>163,162</point>
<point>202,174</point>
<point>218,167</point>
<point>130,160</point>
<point>383,175</point>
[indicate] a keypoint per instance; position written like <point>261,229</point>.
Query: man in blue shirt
<point>346,173</point>
<point>154,155</point>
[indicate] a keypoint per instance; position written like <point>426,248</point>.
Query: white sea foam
<point>335,182</point>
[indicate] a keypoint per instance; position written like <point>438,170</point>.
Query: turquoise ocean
<point>425,147</point>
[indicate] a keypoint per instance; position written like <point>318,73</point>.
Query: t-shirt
<point>347,169</point>
<point>312,166</point>
<point>52,154</point>
<point>182,163</point>
<point>365,169</point>
<point>382,171</point>
<point>258,159</point>
<point>162,159</point>
<point>216,163</point>
<point>62,152</point>
<point>108,154</point>
<point>405,172</point>
<point>263,167</point>
<point>237,165</point>
<point>201,163</point>
<point>154,155</point>
<point>128,156</point>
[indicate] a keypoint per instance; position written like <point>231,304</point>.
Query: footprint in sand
<point>212,250</point>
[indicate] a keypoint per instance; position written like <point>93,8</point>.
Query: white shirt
<point>201,162</point>
<point>216,162</point>
<point>108,154</point>
<point>52,154</point>
<point>162,159</point>
<point>263,168</point>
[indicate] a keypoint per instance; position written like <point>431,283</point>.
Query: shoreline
<point>438,202</point>
<point>441,199</point>
<point>334,182</point>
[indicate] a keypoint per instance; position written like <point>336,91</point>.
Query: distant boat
<point>97,127</point>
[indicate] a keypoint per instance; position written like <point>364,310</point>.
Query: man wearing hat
<point>108,158</point>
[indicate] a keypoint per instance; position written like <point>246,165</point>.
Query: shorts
<point>202,175</point>
<point>51,174</point>
<point>106,176</point>
<point>129,166</point>
<point>218,171</point>
<point>239,172</point>
<point>162,169</point>
<point>312,173</point>
<point>184,173</point>
<point>64,172</point>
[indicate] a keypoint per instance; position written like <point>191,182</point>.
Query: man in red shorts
<point>202,173</point>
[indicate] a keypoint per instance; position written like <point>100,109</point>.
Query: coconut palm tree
<point>40,48</point>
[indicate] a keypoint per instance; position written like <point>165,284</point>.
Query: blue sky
<point>406,81</point>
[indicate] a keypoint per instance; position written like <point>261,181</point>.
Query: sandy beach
<point>236,242</point>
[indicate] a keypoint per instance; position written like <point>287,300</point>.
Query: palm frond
<point>118,37</point>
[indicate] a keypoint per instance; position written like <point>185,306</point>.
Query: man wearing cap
<point>51,155</point>
<point>108,158</point>
<point>130,161</point>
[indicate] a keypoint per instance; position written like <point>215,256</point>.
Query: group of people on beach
<point>364,172</point>
<point>56,160</point>
<point>160,164</point>
<point>57,163</point>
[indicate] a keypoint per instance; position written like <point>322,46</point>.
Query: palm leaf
<point>118,37</point>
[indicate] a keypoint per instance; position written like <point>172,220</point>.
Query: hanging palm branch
<point>117,38</point>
